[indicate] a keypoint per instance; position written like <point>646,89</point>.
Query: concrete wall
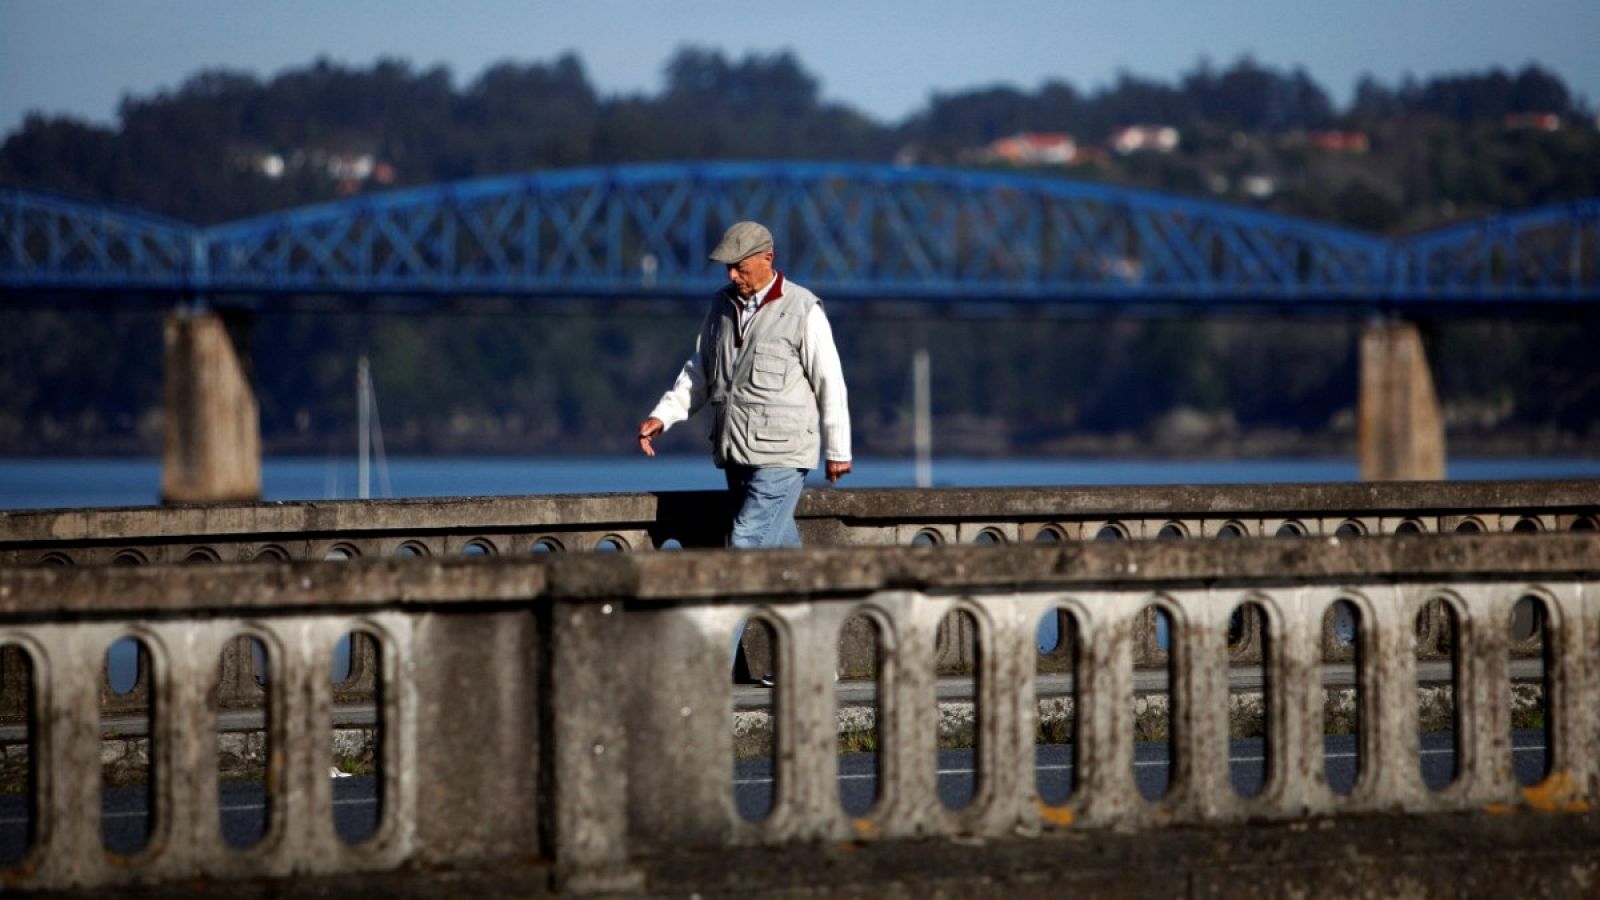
<point>612,763</point>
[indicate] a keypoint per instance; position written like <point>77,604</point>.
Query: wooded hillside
<point>1398,158</point>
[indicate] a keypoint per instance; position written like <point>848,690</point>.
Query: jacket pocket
<point>776,426</point>
<point>768,371</point>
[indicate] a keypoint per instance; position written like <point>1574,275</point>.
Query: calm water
<point>41,483</point>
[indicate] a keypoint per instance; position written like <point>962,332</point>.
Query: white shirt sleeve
<point>821,360</point>
<point>687,394</point>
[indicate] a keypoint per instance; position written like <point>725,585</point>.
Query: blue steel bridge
<point>851,231</point>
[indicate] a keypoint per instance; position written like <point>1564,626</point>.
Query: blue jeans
<point>766,499</point>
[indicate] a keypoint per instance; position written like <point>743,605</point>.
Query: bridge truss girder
<point>848,230</point>
<point>51,243</point>
<point>1550,254</point>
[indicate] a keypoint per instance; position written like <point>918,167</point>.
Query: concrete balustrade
<point>509,526</point>
<point>604,749</point>
<point>636,522</point>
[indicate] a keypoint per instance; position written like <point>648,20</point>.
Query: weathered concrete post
<point>212,446</point>
<point>1401,433</point>
<point>585,739</point>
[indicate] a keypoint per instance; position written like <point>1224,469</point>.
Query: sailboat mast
<point>922,434</point>
<point>364,435</point>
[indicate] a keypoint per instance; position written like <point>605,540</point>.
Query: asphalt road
<point>1054,768</point>
<point>124,821</point>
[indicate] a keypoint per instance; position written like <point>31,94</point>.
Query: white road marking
<point>747,782</point>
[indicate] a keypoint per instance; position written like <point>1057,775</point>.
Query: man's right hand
<point>648,430</point>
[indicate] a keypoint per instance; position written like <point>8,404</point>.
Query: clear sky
<point>884,57</point>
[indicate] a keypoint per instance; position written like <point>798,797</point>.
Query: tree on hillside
<point>524,116</point>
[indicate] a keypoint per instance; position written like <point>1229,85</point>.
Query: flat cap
<point>742,240</point>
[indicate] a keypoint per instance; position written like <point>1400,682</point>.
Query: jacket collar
<point>773,293</point>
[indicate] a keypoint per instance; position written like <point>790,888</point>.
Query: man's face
<point>750,273</point>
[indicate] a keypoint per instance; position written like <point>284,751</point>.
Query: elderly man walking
<point>765,363</point>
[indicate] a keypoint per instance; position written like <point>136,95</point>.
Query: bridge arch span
<point>50,242</point>
<point>848,229</point>
<point>1549,254</point>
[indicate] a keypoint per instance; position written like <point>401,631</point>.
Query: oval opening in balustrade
<point>926,537</point>
<point>1342,688</point>
<point>478,547</point>
<point>1050,534</point>
<point>1469,526</point>
<point>411,550</point>
<point>960,709</point>
<point>128,749</point>
<point>1171,531</point>
<point>19,798</point>
<point>1249,656</point>
<point>341,553</point>
<point>270,553</point>
<point>989,536</point>
<point>858,699</point>
<point>129,558</point>
<point>546,545</point>
<point>1111,531</point>
<point>611,544</point>
<point>1290,529</point>
<point>1583,523</point>
<point>1531,705</point>
<point>358,727</point>
<point>756,718</point>
<point>1438,687</point>
<point>1232,530</point>
<point>1055,679</point>
<point>670,543</point>
<point>1350,528</point>
<point>343,660</point>
<point>242,709</point>
<point>1409,526</point>
<point>201,555</point>
<point>1527,524</point>
<point>126,663</point>
<point>1239,637</point>
<point>1155,674</point>
<point>57,558</point>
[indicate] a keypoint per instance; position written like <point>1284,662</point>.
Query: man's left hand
<point>837,470</point>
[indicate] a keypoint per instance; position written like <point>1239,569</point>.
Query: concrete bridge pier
<point>1400,432</point>
<point>212,442</point>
